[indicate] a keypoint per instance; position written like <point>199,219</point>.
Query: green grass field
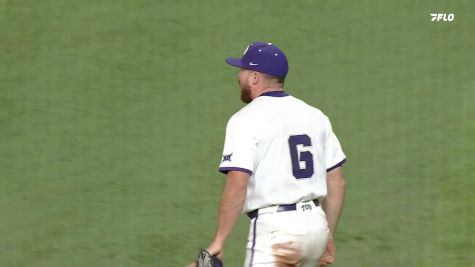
<point>112,119</point>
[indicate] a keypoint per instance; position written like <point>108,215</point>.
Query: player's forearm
<point>232,202</point>
<point>335,198</point>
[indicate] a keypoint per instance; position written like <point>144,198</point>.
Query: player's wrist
<point>218,240</point>
<point>216,247</point>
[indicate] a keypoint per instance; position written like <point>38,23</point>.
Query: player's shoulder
<point>251,116</point>
<point>259,110</point>
<point>310,108</point>
<point>243,116</point>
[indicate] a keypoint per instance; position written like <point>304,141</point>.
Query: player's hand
<point>214,249</point>
<point>329,256</point>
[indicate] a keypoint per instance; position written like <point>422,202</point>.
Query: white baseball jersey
<point>286,145</point>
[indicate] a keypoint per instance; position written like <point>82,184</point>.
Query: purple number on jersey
<point>303,156</point>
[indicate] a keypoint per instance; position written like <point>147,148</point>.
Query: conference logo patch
<point>227,157</point>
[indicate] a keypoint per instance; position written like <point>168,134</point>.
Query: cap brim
<point>236,62</point>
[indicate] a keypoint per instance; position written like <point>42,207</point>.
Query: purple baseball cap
<point>262,57</point>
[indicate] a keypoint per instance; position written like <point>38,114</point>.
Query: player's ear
<point>255,77</point>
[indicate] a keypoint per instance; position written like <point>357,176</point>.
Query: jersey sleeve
<point>334,156</point>
<point>240,148</point>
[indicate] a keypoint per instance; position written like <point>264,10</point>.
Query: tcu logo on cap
<point>246,49</point>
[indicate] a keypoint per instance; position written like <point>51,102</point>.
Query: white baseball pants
<point>306,227</point>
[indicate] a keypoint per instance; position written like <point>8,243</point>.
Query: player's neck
<point>258,92</point>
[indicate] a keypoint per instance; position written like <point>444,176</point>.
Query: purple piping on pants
<point>253,241</point>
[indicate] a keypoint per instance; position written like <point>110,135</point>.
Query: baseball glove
<point>205,259</point>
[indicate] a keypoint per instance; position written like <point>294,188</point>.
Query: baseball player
<point>283,162</point>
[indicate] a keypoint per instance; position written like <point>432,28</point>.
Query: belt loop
<point>316,202</point>
<point>252,214</point>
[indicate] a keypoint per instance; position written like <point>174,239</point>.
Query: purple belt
<point>280,208</point>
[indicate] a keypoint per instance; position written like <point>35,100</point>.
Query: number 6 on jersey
<point>302,156</point>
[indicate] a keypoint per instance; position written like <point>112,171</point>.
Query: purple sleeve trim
<point>225,170</point>
<point>337,165</point>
